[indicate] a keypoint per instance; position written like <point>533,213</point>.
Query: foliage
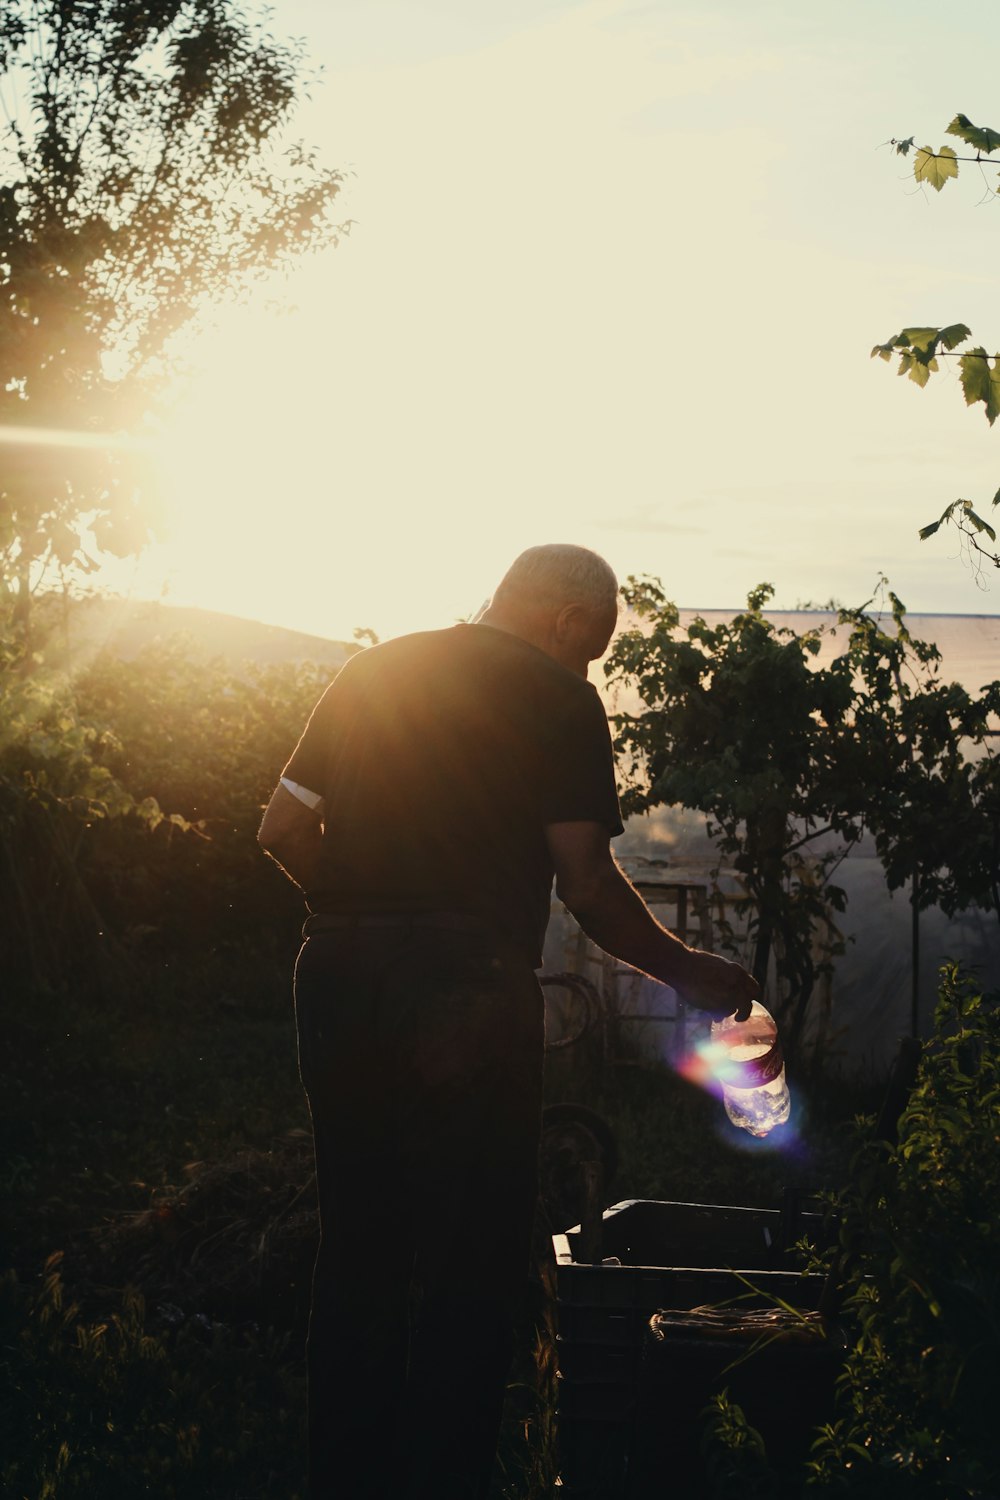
<point>740,722</point>
<point>736,1466</point>
<point>130,795</point>
<point>924,744</point>
<point>208,743</point>
<point>108,1406</point>
<point>917,1257</point>
<point>919,349</point>
<point>922,1246</point>
<point>142,173</point>
<point>54,790</point>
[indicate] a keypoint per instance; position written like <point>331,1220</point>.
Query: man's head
<point>561,598</point>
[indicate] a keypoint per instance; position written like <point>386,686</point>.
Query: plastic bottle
<point>746,1059</point>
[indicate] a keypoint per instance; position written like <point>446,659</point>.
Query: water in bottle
<point>745,1057</point>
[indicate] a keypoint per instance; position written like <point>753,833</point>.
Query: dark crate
<point>581,1362</point>
<point>786,1391</point>
<point>617,1429</point>
<point>645,1232</point>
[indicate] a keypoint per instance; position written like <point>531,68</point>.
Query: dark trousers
<point>420,1049</point>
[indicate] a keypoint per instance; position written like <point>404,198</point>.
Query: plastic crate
<point>610,1387</point>
<point>646,1232</point>
<point>786,1390</point>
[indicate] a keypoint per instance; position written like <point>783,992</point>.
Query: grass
<point>105,1100</point>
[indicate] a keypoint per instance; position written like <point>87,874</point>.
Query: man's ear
<point>568,621</point>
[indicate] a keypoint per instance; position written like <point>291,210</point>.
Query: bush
<point>130,797</point>
<point>106,1407</point>
<point>919,1254</point>
<point>921,1241</point>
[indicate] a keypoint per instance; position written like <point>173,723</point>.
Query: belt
<point>442,921</point>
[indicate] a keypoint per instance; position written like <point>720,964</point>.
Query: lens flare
<point>709,1065</point>
<point>66,437</point>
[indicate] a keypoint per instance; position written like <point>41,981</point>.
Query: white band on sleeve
<point>312,800</point>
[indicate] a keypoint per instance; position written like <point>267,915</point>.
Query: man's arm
<point>291,833</point>
<point>613,914</point>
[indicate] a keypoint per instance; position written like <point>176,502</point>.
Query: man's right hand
<point>715,984</point>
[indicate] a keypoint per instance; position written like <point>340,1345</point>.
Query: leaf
<point>902,147</point>
<point>977,521</point>
<point>953,334</point>
<point>996,498</point>
<point>898,341</point>
<point>923,339</point>
<point>946,515</point>
<point>919,370</point>
<point>935,167</point>
<point>980,382</point>
<point>979,136</point>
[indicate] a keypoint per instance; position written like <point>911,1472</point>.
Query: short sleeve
<point>310,760</point>
<point>578,783</point>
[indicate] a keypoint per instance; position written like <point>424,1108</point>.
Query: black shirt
<point>441,757</point>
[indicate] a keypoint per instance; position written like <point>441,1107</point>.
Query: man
<point>442,780</point>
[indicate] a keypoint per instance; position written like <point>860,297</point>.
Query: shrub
<point>103,1406</point>
<point>921,1240</point>
<point>919,1254</point>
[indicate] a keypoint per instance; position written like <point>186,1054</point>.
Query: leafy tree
<point>738,722</point>
<point>919,350</point>
<point>143,173</point>
<point>924,745</point>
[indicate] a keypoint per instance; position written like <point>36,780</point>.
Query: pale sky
<point>614,278</point>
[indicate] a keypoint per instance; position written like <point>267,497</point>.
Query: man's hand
<point>715,984</point>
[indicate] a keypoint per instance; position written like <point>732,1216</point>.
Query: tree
<point>922,744</point>
<point>925,746</point>
<point>143,173</point>
<point>792,762</point>
<point>920,349</point>
<point>738,723</point>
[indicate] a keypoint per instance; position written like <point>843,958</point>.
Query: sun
<point>252,522</point>
<point>292,494</point>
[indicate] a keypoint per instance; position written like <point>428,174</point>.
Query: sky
<point>613,277</point>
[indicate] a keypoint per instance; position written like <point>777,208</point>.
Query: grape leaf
<point>980,382</point>
<point>920,339</point>
<point>902,147</point>
<point>918,369</point>
<point>946,515</point>
<point>977,521</point>
<point>966,514</point>
<point>953,334</point>
<point>935,167</point>
<point>979,136</point>
<point>996,498</point>
<point>888,349</point>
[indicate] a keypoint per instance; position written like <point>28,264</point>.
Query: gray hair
<point>558,574</point>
